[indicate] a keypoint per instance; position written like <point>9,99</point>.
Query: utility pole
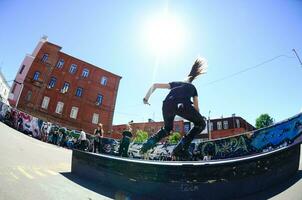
<point>297,57</point>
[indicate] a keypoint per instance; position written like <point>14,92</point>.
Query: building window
<point>44,58</point>
<point>36,75</point>
<point>45,102</point>
<point>79,92</point>
<point>95,118</point>
<point>60,64</point>
<point>28,96</point>
<point>225,125</point>
<point>74,112</point>
<point>73,69</point>
<point>22,68</point>
<point>211,126</point>
<point>85,73</point>
<point>59,108</point>
<point>104,80</point>
<point>219,125</point>
<point>99,99</point>
<point>52,82</point>
<point>238,123</point>
<point>65,88</point>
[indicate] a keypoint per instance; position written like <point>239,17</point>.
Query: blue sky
<point>231,35</point>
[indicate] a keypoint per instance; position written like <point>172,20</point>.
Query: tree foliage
<point>141,136</point>
<point>174,138</point>
<point>264,120</point>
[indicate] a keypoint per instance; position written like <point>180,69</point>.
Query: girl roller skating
<point>179,102</point>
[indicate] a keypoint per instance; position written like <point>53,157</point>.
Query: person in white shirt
<point>82,139</point>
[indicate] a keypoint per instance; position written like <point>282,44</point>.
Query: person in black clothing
<point>98,135</point>
<point>125,141</point>
<point>178,102</point>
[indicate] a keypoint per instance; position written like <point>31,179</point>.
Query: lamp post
<point>209,126</point>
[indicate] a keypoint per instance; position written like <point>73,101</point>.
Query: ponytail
<point>199,67</point>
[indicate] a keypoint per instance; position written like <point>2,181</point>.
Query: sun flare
<point>164,34</point>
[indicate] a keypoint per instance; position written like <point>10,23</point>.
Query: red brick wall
<point>86,103</point>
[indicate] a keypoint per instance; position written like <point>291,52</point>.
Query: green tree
<point>141,136</point>
<point>174,138</point>
<point>264,120</point>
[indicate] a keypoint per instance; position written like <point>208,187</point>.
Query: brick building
<point>224,127</point>
<point>60,88</point>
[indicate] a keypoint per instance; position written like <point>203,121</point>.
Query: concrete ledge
<point>184,180</point>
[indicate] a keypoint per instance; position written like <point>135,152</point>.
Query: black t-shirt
<point>181,91</point>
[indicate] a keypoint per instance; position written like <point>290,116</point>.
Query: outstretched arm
<point>153,88</point>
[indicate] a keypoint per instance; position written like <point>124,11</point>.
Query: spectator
<point>125,141</point>
<point>98,135</point>
<point>82,140</point>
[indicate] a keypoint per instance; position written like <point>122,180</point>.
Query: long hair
<point>199,67</point>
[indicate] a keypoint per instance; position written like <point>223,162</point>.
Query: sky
<point>248,46</point>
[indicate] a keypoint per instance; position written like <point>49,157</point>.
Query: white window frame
<point>95,118</point>
<point>45,102</point>
<point>73,68</point>
<point>60,63</point>
<point>211,126</point>
<point>219,125</point>
<point>225,124</point>
<point>59,108</point>
<point>45,57</point>
<point>104,80</point>
<point>74,112</point>
<point>237,123</point>
<point>85,72</point>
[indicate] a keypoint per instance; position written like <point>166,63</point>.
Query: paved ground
<point>31,169</point>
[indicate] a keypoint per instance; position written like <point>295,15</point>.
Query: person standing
<point>125,141</point>
<point>82,139</point>
<point>98,135</point>
<point>178,102</point>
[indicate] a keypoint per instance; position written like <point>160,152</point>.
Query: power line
<point>248,69</point>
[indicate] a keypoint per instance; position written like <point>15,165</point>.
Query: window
<point>219,125</point>
<point>238,123</point>
<point>60,64</point>
<point>52,82</point>
<point>22,68</point>
<point>74,112</point>
<point>36,75</point>
<point>79,92</point>
<point>104,80</point>
<point>59,108</point>
<point>225,125</point>
<point>85,73</point>
<point>99,99</point>
<point>44,58</point>
<point>45,102</point>
<point>95,118</point>
<point>65,87</point>
<point>28,96</point>
<point>211,126</point>
<point>73,69</point>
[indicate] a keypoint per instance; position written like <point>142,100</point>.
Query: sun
<point>165,34</point>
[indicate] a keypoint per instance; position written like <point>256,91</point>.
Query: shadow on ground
<point>276,189</point>
<point>123,195</point>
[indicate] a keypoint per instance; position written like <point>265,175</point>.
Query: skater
<point>178,102</point>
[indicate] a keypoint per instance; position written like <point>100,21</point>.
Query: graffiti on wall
<point>263,140</point>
